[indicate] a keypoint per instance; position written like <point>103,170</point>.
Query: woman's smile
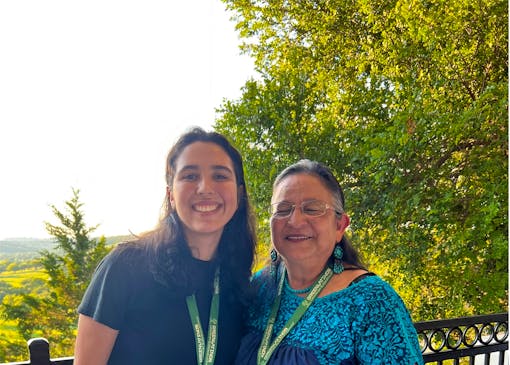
<point>206,207</point>
<point>297,237</point>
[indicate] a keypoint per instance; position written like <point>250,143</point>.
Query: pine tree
<point>69,267</point>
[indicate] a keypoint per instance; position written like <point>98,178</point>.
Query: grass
<point>18,278</point>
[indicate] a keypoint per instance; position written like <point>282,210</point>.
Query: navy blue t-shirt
<point>152,319</point>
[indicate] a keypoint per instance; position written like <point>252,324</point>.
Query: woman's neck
<point>203,247</point>
<point>302,275</point>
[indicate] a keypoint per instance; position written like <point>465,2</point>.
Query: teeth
<point>206,208</point>
<point>297,237</point>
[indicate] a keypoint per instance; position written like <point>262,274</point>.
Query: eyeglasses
<point>311,208</point>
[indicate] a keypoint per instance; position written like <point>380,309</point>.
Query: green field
<point>8,329</point>
<point>14,281</point>
<point>18,278</point>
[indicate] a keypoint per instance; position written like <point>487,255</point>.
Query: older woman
<point>316,303</point>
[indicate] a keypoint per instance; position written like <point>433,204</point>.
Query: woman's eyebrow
<point>222,167</point>
<point>188,167</point>
<point>214,167</point>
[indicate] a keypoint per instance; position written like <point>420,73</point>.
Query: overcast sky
<point>92,95</point>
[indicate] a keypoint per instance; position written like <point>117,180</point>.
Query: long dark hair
<point>317,169</point>
<point>166,245</point>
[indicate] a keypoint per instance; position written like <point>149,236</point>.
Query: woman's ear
<point>341,225</point>
<point>170,197</point>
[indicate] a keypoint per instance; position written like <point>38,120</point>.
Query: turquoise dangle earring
<point>272,269</point>
<point>338,253</point>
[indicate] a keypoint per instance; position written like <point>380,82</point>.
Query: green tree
<point>52,313</point>
<point>408,102</point>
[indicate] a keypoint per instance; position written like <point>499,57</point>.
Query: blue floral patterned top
<point>365,323</point>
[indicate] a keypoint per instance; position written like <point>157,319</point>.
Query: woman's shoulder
<point>361,285</point>
<point>129,254</point>
<point>128,248</point>
<point>373,288</point>
<point>345,279</point>
<point>373,281</point>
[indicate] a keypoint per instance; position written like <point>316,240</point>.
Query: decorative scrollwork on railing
<point>485,334</point>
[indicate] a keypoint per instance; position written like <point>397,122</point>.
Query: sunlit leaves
<point>408,102</point>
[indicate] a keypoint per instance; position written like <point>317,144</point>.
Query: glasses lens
<point>314,208</point>
<point>280,210</point>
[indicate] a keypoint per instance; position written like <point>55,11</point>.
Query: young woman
<point>176,294</point>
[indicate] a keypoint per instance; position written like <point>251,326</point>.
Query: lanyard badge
<point>266,348</point>
<point>206,352</point>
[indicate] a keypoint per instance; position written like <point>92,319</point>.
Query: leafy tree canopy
<point>408,102</point>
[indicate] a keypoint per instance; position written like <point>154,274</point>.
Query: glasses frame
<point>293,207</point>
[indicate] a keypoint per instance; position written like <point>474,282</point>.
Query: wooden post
<point>39,349</point>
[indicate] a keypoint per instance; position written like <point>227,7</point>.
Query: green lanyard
<point>206,353</point>
<point>266,349</point>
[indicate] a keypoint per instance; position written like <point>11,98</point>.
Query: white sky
<point>92,95</point>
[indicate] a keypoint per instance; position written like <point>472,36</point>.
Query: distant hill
<point>26,248</point>
<point>25,245</point>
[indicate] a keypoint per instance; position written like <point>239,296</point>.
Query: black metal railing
<point>483,339</point>
<point>478,339</point>
<point>39,350</point>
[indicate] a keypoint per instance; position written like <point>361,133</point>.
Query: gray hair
<point>322,172</point>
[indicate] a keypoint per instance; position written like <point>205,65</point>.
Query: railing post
<point>39,349</point>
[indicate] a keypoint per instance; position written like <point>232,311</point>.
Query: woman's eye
<point>283,212</point>
<point>283,209</point>
<point>220,177</point>
<point>189,177</point>
<point>308,209</point>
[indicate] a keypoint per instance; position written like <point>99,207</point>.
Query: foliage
<point>51,312</point>
<point>408,102</point>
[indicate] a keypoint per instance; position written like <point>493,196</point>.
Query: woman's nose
<point>204,186</point>
<point>296,217</point>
